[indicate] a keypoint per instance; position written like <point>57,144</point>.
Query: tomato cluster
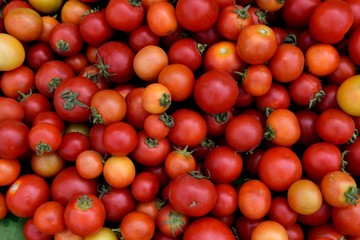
<point>187,119</point>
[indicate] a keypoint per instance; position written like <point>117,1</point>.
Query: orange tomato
<point>322,59</point>
<point>72,11</point>
<point>89,164</point>
<point>161,18</point>
<point>118,171</point>
<point>156,98</point>
<point>48,24</point>
<point>269,230</point>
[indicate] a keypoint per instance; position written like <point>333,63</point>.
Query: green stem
<point>71,100</point>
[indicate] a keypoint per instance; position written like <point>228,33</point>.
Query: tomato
<point>288,55</point>
<point>269,229</point>
<point>77,62</point>
<point>215,91</point>
<point>33,104</point>
<point>9,171</point>
<point>86,209</point>
<point>149,61</point>
<point>31,232</point>
<point>329,100</point>
<point>137,225</point>
<point>189,128</point>
<point>352,48</point>
<point>47,165</point>
<point>11,109</point>
<point>26,194</point>
<point>271,6</point>
<point>66,235</point>
<point>345,70</point>
<point>254,191</point>
<point>281,212</point>
<point>192,194</point>
<point>11,5</point>
<point>145,186</point>
<point>347,94</point>
<point>256,80</point>
<point>132,11</point>
<point>208,228</point>
<point>151,208</point>
<point>323,25</point>
<point>282,128</point>
<point>343,215</point>
<point>277,97</point>
<point>72,11</point>
<point>72,144</point>
<point>49,217</point>
<point>107,106</point>
<point>44,137</point>
<point>304,196</point>
<point>46,7</point>
<point>119,138</point>
<point>142,37</point>
<point>65,39</point>
<point>208,37</point>
<point>161,18</point>
<point>223,55</point>
<point>297,13</point>
<point>50,75</point>
<point>135,114</point>
<point>72,99</point>
<point>89,164</point>
<point>156,98</point>
<point>244,226</point>
<point>178,162</point>
<point>197,16</point>
<point>119,171</point>
<point>117,202</point>
<point>13,139</point>
<point>339,189</point>
<point>186,51</point>
<point>324,231</point>
<point>38,54</point>
<point>9,48</point>
<point>232,20</point>
<point>170,222</point>
<point>322,59</point>
<point>318,218</point>
<point>49,23</point>
<point>279,167</point>
<point>306,90</point>
<point>256,44</point>
<point>94,28</point>
<point>25,24</point>
<point>68,183</point>
<point>295,232</point>
<point>351,157</point>
<point>330,122</point>
<point>158,125</point>
<point>103,233</point>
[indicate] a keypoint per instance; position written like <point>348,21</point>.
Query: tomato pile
<point>187,119</point>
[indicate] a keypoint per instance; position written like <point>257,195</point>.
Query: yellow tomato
<point>46,6</point>
<point>105,233</point>
<point>12,52</point>
<point>348,96</point>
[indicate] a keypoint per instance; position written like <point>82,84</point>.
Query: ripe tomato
<point>197,16</point>
<point>189,128</point>
<point>215,91</point>
<point>135,114</point>
<point>31,232</point>
<point>288,55</point>
<point>304,197</point>
<point>346,95</point>
<point>11,109</point>
<point>46,7</point>
<point>192,194</point>
<point>156,98</point>
<point>170,222</point>
<point>72,11</point>
<point>161,18</point>
<point>47,165</point>
<point>352,48</point>
<point>277,97</point>
<point>254,192</point>
<point>341,217</point>
<point>241,127</point>
<point>119,171</point>
<point>13,139</point>
<point>44,137</point>
<point>232,20</point>
<point>352,158</point>
<point>269,229</point>
<point>86,209</point>
<point>281,212</point>
<point>209,228</point>
<point>132,13</point>
<point>49,22</point>
<point>145,186</point>
<point>9,171</point>
<point>282,128</point>
<point>158,125</point>
<point>226,202</point>
<point>345,70</point>
<point>271,6</point>
<point>324,231</point>
<point>33,104</point>
<point>49,217</point>
<point>256,44</point>
<point>322,59</point>
<point>297,13</point>
<point>178,162</point>
<point>38,54</point>
<point>318,218</point>
<point>330,122</point>
<point>137,225</point>
<point>25,24</point>
<point>142,37</point>
<point>279,167</point>
<point>256,80</point>
<point>89,164</point>
<point>26,194</point>
<point>103,233</point>
<point>330,21</point>
<point>12,52</point>
<point>339,189</point>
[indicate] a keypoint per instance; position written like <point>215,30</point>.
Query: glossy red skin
<point>307,121</point>
<point>13,139</point>
<point>297,13</point>
<point>95,137</point>
<point>34,104</point>
<point>72,144</point>
<point>31,232</point>
<point>38,54</point>
<point>281,212</point>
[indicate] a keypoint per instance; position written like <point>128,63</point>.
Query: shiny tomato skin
<point>13,135</point>
<point>342,216</point>
<point>347,93</point>
<point>208,228</point>
<point>297,13</point>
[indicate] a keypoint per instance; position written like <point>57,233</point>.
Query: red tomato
<point>9,171</point>
<point>49,217</point>
<point>192,194</point>
<point>322,58</point>
<point>44,138</point>
<point>161,18</point>
<point>137,225</point>
<point>31,232</point>
<point>19,79</point>
<point>226,202</point>
<point>145,186</point>
<point>307,121</point>
<point>277,97</point>
<point>13,139</point>
<point>171,222</point>
<point>142,37</point>
<point>353,48</point>
<point>318,218</point>
<point>72,144</point>
<point>26,194</point>
<point>38,54</point>
<point>47,165</point>
<point>119,171</point>
<point>297,13</point>
<point>325,231</point>
<point>11,109</point>
<point>158,125</point>
<point>281,212</point>
<point>33,104</point>
<point>86,209</point>
<point>256,80</point>
<point>341,217</point>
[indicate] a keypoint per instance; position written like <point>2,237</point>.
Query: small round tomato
<point>348,93</point>
<point>318,218</point>
<point>47,165</point>
<point>13,139</point>
<point>271,6</point>
<point>26,194</point>
<point>281,212</point>
<point>156,98</point>
<point>44,137</point>
<point>297,13</point>
<point>31,232</point>
<point>342,215</point>
<point>142,37</point>
<point>178,162</point>
<point>9,171</point>
<point>161,18</point>
<point>135,114</point>
<point>345,70</point>
<point>171,222</point>
<point>145,186</point>
<point>158,125</point>
<point>269,228</point>
<point>71,11</point>
<point>277,97</point>
<point>119,138</point>
<point>119,171</point>
<point>89,164</point>
<point>256,44</point>
<point>12,52</point>
<point>38,54</point>
<point>137,225</point>
<point>339,189</point>
<point>304,196</point>
<point>352,47</point>
<point>66,235</point>
<point>256,80</point>
<point>322,59</point>
<point>72,144</point>
<point>84,214</point>
<point>49,217</point>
